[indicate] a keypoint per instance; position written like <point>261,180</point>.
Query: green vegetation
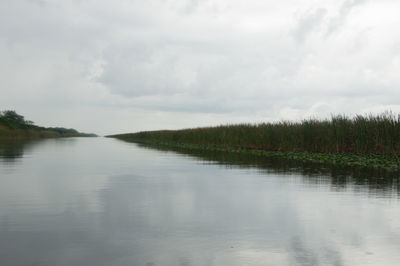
<point>13,125</point>
<point>363,140</point>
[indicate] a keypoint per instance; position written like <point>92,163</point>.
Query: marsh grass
<point>361,135</point>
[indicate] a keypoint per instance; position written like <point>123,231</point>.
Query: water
<point>97,201</point>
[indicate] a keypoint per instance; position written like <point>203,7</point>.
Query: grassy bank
<point>363,140</point>
<point>14,126</point>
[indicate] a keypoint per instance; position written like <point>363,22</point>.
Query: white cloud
<point>308,23</point>
<point>344,12</point>
<point>196,62</point>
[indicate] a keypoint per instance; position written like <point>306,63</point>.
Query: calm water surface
<point>96,201</point>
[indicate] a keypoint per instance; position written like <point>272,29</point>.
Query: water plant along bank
<point>372,140</point>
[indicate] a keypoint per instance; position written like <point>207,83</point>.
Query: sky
<point>131,65</point>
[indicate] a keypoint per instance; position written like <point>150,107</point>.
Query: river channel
<point>100,201</point>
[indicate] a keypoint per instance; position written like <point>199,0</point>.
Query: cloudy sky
<point>129,65</point>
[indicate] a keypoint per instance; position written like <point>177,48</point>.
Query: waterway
<point>100,201</point>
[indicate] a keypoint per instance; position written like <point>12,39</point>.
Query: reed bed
<point>364,135</point>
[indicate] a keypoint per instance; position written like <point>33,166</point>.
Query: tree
<point>12,116</point>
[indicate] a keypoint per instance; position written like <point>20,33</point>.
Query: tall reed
<point>370,134</point>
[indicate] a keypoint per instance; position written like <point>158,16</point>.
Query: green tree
<point>12,116</point>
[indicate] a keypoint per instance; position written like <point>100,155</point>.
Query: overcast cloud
<point>129,65</point>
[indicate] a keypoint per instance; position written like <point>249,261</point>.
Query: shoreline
<point>386,162</point>
<point>40,135</point>
<point>26,134</point>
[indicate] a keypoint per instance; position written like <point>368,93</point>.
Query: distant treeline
<point>13,124</point>
<point>371,134</point>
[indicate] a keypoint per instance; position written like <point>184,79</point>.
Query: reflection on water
<point>105,202</point>
<point>10,150</point>
<point>13,149</point>
<point>378,182</point>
